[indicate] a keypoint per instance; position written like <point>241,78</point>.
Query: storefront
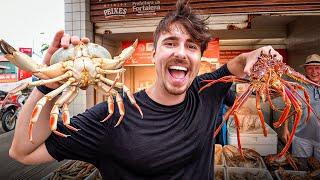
<point>238,26</point>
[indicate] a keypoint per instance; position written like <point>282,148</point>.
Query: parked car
<point>9,110</point>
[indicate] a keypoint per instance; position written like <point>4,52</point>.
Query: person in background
<point>173,140</point>
<point>306,141</point>
<point>227,102</point>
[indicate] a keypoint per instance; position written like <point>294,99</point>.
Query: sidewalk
<point>11,169</point>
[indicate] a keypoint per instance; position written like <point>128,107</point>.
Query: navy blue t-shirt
<point>170,142</point>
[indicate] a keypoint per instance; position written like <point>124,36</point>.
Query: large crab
<point>265,79</point>
<point>74,68</point>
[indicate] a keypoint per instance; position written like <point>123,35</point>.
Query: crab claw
<point>20,59</point>
<point>126,53</point>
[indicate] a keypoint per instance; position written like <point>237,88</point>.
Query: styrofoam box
<point>220,168</point>
<point>301,173</point>
<point>261,160</point>
<point>263,145</point>
<point>240,171</point>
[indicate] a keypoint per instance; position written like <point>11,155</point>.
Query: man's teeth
<point>178,68</point>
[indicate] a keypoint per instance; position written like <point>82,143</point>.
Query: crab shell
<point>90,50</point>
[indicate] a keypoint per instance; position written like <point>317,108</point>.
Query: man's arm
<point>241,65</point>
<point>22,149</point>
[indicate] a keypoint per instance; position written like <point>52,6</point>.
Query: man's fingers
<point>75,40</point>
<point>56,40</point>
<point>85,40</point>
<point>65,41</point>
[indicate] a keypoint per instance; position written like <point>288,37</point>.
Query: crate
<point>261,174</point>
<point>263,145</point>
<point>301,174</point>
<point>219,169</point>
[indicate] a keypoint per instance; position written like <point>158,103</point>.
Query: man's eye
<point>169,44</point>
<point>193,46</point>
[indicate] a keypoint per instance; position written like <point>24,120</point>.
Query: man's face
<point>177,60</point>
<point>313,73</point>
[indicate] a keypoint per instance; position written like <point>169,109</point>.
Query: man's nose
<point>180,52</point>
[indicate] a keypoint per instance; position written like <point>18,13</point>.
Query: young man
<point>174,140</point>
<point>306,141</point>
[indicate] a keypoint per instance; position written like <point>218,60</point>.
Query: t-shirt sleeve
<point>83,144</point>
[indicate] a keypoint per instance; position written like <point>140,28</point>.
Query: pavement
<point>11,169</point>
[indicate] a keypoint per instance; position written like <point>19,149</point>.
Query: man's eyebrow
<point>170,38</point>
<point>176,38</point>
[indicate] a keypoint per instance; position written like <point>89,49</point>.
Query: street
<point>11,169</point>
<point>1,129</point>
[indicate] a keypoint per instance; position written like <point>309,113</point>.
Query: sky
<point>30,23</point>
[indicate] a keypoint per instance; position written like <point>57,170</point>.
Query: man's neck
<point>161,96</point>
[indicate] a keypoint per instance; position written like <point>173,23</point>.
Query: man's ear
<point>153,54</point>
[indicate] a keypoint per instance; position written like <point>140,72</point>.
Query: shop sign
<point>8,72</point>
<point>5,78</point>
<point>142,54</point>
<point>22,74</point>
<point>211,54</point>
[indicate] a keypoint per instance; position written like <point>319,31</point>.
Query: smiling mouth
<point>178,72</point>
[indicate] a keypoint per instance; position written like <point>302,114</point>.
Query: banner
<point>22,74</point>
<point>142,54</point>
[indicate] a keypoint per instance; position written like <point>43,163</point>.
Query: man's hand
<point>285,135</point>
<point>61,40</point>
<point>252,57</point>
<point>240,66</point>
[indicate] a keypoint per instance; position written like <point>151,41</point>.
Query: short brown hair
<point>196,27</point>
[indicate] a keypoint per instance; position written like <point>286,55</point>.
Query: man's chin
<point>176,91</point>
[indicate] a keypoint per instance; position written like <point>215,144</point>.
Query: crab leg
<point>110,99</point>
<point>306,100</point>
<point>237,123</point>
<point>261,117</point>
<point>238,102</point>
<point>295,75</point>
<point>297,108</point>
<point>285,112</point>
<point>132,99</point>
<point>110,108</point>
<point>102,71</point>
<point>36,111</point>
<point>40,82</point>
<point>64,100</point>
<point>119,101</point>
<point>110,82</point>
<point>224,79</point>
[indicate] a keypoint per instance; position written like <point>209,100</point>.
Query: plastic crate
<point>261,174</point>
<point>302,174</point>
<point>220,168</point>
<point>263,145</point>
<point>261,160</point>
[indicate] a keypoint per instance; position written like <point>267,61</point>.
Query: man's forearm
<point>21,146</point>
<point>236,65</point>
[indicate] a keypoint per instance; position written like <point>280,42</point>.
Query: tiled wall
<point>77,22</point>
<point>303,39</point>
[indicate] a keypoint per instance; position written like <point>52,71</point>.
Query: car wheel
<point>8,121</point>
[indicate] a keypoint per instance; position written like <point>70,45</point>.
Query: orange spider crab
<point>266,77</point>
<point>75,67</point>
